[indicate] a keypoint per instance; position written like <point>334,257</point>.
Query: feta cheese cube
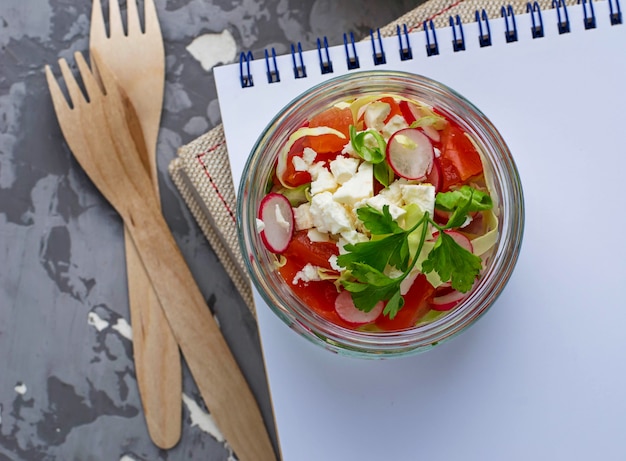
<point>333,263</point>
<point>393,193</point>
<point>395,123</point>
<point>309,273</point>
<point>305,162</point>
<point>349,150</point>
<point>379,201</point>
<point>343,168</point>
<point>302,216</point>
<point>329,215</point>
<point>321,179</point>
<point>359,187</point>
<point>375,115</point>
<point>423,195</point>
<point>353,237</point>
<point>309,155</point>
<point>299,164</point>
<point>317,236</point>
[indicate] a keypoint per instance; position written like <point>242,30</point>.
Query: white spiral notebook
<point>542,376</point>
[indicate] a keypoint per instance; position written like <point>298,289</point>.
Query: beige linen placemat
<point>202,174</point>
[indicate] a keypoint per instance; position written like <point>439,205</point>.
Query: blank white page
<point>540,377</point>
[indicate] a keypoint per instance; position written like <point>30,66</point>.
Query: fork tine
<point>115,19</point>
<point>58,99</point>
<point>132,17</point>
<point>97,30</point>
<point>91,84</point>
<point>76,96</point>
<point>107,81</point>
<point>150,16</point>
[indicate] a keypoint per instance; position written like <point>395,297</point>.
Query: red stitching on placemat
<point>438,13</point>
<point>208,175</point>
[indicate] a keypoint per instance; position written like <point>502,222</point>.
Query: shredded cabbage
<point>486,241</point>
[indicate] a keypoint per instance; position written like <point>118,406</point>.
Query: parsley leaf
<point>394,304</point>
<point>378,223</point>
<point>391,250</point>
<point>370,286</point>
<point>453,263</point>
<point>366,261</point>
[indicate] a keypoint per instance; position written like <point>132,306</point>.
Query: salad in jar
<point>379,213</point>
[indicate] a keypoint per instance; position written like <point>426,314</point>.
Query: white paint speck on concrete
<point>96,321</point>
<point>21,388</point>
<point>123,328</point>
<point>212,49</point>
<point>202,419</point>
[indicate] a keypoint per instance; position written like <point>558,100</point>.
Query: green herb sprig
<point>365,262</point>
<point>373,152</point>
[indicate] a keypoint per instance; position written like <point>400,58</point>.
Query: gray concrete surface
<point>67,383</point>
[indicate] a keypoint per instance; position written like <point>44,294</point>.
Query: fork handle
<point>216,373</point>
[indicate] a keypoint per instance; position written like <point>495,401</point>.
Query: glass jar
<point>506,193</point>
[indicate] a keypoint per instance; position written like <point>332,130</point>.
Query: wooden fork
<point>106,139</point>
<point>137,59</point>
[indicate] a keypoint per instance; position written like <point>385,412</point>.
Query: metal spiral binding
<point>616,15</point>
<point>563,23</point>
<point>299,71</point>
<point>590,16</point>
<point>405,48</point>
<point>535,16</point>
<point>484,36</point>
<point>352,60</point>
<point>273,75</point>
<point>432,48</point>
<point>326,66</point>
<point>378,55</point>
<point>458,41</point>
<point>509,22</point>
<point>245,77</point>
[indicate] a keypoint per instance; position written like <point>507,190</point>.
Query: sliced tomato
<point>409,111</point>
<point>459,159</point>
<point>337,119</point>
<point>303,250</point>
<point>415,307</point>
<point>292,177</point>
<point>319,296</point>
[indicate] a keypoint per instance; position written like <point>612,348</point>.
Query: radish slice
<point>447,301</point>
<point>277,215</point>
<point>435,176</point>
<point>347,310</point>
<point>412,113</point>
<point>431,132</point>
<point>410,153</point>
